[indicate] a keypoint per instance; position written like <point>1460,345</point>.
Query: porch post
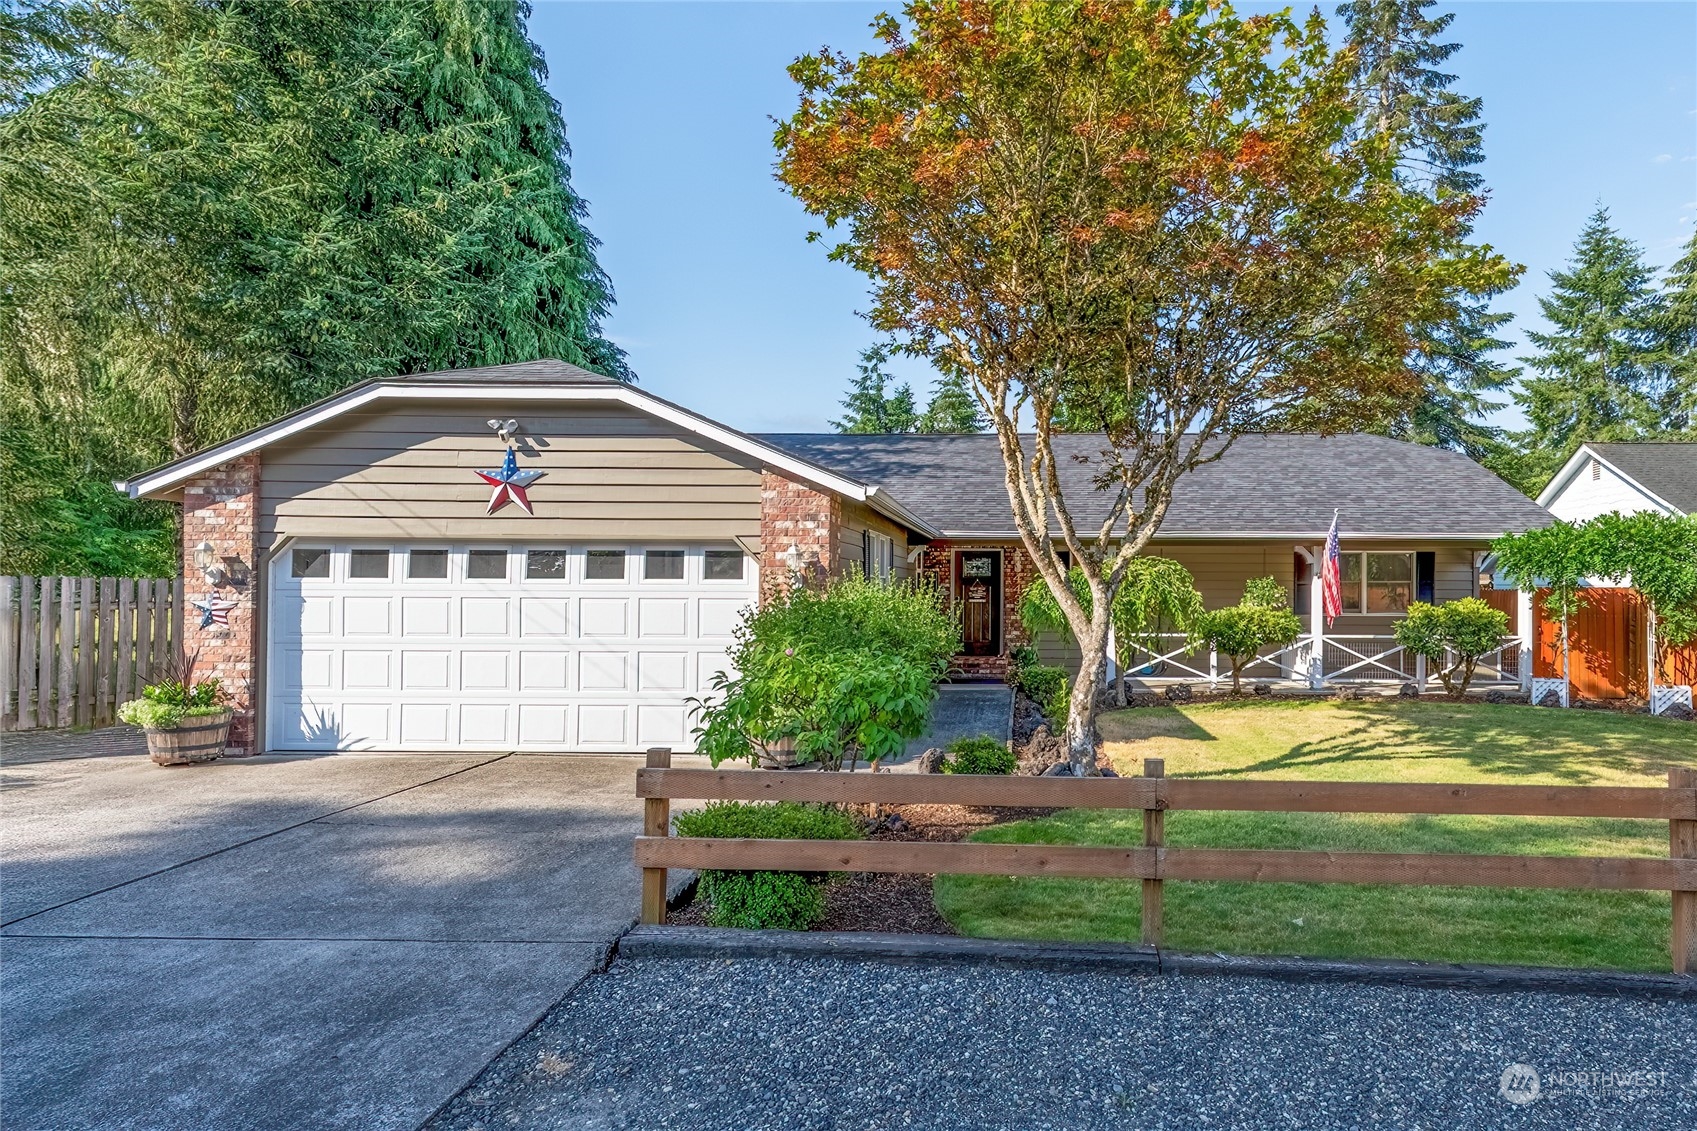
<point>1526,630</point>
<point>1316,617</point>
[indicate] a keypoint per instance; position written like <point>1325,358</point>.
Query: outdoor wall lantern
<point>219,570</point>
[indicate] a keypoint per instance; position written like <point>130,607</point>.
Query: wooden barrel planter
<point>779,755</point>
<point>199,738</point>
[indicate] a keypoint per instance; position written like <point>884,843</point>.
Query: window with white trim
<point>880,556</point>
<point>1377,584</point>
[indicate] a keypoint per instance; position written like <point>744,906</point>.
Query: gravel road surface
<point>745,1045</point>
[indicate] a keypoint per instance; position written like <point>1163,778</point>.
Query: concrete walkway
<point>293,942</point>
<point>966,710</point>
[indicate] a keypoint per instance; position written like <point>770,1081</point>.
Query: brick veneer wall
<point>219,507</point>
<point>795,515</point>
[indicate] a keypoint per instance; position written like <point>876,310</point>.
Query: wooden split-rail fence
<point>73,648</point>
<point>1153,862</point>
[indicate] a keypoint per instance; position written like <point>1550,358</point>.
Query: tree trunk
<point>1081,733</point>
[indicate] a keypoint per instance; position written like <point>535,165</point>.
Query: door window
<point>663,565</point>
<point>427,565</point>
<point>722,565</point>
<point>368,565</point>
<point>604,565</point>
<point>486,565</point>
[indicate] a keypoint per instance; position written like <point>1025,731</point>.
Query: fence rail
<point>1153,862</point>
<point>73,648</point>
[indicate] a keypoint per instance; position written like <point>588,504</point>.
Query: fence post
<point>1420,673</point>
<point>1682,844</point>
<point>656,821</point>
<point>1154,836</point>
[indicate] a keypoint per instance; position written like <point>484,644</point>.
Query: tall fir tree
<point>1676,339</point>
<point>216,212</point>
<point>1402,92</point>
<point>1597,365</point>
<point>952,408</point>
<point>873,404</point>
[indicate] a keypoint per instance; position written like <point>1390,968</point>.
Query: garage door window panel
<point>486,565</point>
<point>309,563</point>
<point>604,565</point>
<point>368,565</point>
<point>545,565</point>
<point>721,565</point>
<point>663,565</point>
<point>427,565</point>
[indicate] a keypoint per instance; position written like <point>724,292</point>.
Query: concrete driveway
<point>299,942</point>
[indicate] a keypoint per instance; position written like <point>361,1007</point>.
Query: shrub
<point>762,901</point>
<point>849,671</point>
<point>981,755</point>
<point>1466,629</point>
<point>1260,619</point>
<point>1049,689</point>
<point>785,901</point>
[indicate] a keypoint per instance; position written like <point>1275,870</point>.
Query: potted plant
<point>185,722</point>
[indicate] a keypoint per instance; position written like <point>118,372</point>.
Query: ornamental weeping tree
<point>1149,220</point>
<point>1156,595</point>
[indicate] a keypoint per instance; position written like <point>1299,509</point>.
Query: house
<point>1625,477</point>
<point>536,557</point>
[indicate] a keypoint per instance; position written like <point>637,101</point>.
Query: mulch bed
<point>875,901</point>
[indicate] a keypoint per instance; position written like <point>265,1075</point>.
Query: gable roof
<point>543,380</point>
<point>1664,469</point>
<point>1266,486</point>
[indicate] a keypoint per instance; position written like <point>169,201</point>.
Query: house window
<point>880,552</point>
<point>1377,584</point>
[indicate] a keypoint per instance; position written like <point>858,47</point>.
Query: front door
<point>978,593</point>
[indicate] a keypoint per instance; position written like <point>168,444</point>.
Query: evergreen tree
<point>1597,365</point>
<point>873,405</point>
<point>1676,338</point>
<point>247,205</point>
<point>1402,92</point>
<point>952,409</point>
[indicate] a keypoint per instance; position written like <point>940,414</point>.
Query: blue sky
<point>724,307</point>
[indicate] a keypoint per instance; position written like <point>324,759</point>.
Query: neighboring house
<point>1628,478</point>
<point>535,557</point>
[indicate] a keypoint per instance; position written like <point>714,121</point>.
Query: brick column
<point>218,507</point>
<point>797,518</point>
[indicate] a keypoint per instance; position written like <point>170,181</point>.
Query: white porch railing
<point>1344,658</point>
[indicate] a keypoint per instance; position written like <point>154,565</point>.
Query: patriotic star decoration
<point>213,610</point>
<point>510,485</point>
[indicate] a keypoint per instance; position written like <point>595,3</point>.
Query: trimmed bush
<point>1048,688</point>
<point>981,755</point>
<point>783,901</point>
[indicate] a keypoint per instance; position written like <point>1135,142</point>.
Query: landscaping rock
<point>1350,693</point>
<point>1681,712</point>
<point>931,762</point>
<point>1552,698</point>
<point>1495,696</point>
<point>1262,690</point>
<point>1145,699</point>
<point>1408,691</point>
<point>1180,693</point>
<point>1058,770</point>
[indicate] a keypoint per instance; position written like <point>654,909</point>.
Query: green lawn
<point>1361,741</point>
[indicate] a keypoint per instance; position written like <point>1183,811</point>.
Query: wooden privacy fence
<point>1153,862</point>
<point>73,648</point>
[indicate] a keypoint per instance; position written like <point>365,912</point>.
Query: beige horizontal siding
<point>851,545</point>
<point>409,472</point>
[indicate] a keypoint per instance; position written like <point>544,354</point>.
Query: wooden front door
<point>978,595</point>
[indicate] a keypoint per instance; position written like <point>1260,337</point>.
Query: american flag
<point>1331,579</point>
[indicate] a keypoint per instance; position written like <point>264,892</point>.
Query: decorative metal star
<point>213,610</point>
<point>510,485</point>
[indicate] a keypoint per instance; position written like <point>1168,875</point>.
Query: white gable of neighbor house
<point>1589,487</point>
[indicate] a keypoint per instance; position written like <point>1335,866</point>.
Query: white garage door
<point>432,647</point>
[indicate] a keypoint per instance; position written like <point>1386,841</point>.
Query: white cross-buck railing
<point>1347,658</point>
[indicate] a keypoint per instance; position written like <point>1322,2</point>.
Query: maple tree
<point>1151,220</point>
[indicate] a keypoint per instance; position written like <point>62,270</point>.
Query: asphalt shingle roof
<point>1668,469</point>
<point>1265,485</point>
<point>545,371</point>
